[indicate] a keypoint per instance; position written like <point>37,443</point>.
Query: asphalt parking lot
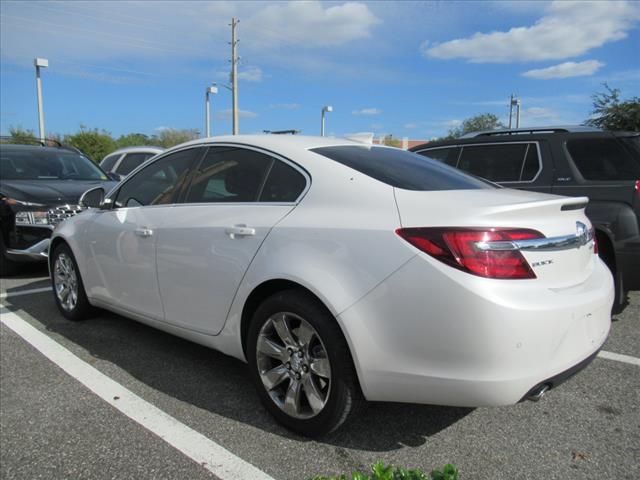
<point>53,426</point>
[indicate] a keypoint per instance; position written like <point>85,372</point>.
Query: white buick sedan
<point>342,272</point>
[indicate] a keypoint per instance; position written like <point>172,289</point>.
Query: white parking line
<point>618,357</point>
<point>215,458</point>
<point>24,292</point>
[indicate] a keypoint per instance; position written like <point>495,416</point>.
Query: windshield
<point>41,164</point>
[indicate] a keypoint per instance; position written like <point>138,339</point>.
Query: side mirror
<point>116,177</point>
<point>92,198</point>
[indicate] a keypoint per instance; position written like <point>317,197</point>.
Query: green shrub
<point>381,472</point>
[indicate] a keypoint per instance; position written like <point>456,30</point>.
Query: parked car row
<point>574,161</point>
<point>343,272</point>
<point>40,186</point>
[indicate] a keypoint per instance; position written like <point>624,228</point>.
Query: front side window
<point>401,169</point>
<point>229,174</point>
<point>158,183</point>
<point>131,161</point>
<point>507,162</point>
<point>447,155</point>
<point>603,159</point>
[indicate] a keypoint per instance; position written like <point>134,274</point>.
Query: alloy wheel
<point>293,365</point>
<point>65,280</point>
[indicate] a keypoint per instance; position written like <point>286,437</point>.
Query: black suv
<point>574,161</point>
<point>39,187</point>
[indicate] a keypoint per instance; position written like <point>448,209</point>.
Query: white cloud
<point>286,106</point>
<point>226,114</point>
<point>567,29</point>
<point>309,24</point>
<point>250,74</point>
<point>565,70</point>
<point>367,112</point>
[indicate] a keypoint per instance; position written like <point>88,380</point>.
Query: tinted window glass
<point>132,161</point>
<point>445,155</point>
<point>603,159</point>
<point>229,175</point>
<point>157,183</point>
<point>108,163</point>
<point>284,184</point>
<point>400,168</point>
<point>498,163</point>
<point>37,163</point>
<point>531,165</point>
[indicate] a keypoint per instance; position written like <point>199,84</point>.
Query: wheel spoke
<point>275,377</point>
<point>321,367</point>
<point>271,349</point>
<point>292,399</point>
<point>282,328</point>
<point>313,395</point>
<point>305,333</point>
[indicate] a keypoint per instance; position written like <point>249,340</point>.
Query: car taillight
<point>458,248</point>
<point>595,241</point>
<point>637,187</point>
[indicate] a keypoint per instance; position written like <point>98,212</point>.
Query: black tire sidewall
<point>344,393</point>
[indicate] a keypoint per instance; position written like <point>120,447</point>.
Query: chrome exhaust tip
<point>538,392</point>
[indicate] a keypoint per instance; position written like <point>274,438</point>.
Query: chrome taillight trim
<point>582,237</point>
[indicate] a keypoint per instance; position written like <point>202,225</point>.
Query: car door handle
<point>238,231</point>
<point>143,232</point>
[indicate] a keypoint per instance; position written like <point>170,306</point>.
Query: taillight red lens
<point>595,242</point>
<point>457,247</point>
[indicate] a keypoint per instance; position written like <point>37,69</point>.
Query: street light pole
<point>213,89</point>
<point>326,108</point>
<point>40,63</point>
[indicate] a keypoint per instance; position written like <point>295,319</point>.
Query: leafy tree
<point>169,137</point>
<point>610,113</point>
<point>134,140</point>
<point>96,144</point>
<point>20,135</point>
<point>484,121</point>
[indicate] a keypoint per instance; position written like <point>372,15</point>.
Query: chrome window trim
<point>527,142</point>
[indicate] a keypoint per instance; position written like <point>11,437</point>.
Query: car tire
<point>68,289</point>
<point>8,267</point>
<point>301,365</point>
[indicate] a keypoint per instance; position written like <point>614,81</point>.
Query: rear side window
<point>603,159</point>
<point>447,155</point>
<point>284,184</point>
<point>108,163</point>
<point>229,175</point>
<point>400,168</point>
<point>507,162</point>
<point>132,161</point>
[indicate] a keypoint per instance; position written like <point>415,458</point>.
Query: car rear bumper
<point>468,341</point>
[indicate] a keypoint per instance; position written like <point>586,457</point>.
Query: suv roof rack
<point>524,131</point>
<point>49,142</point>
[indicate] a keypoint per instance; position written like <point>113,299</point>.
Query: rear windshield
<point>40,164</point>
<point>401,169</point>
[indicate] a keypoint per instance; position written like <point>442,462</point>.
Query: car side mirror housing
<point>93,198</point>
<point>116,177</point>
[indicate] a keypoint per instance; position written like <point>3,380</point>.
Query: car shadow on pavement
<point>220,384</point>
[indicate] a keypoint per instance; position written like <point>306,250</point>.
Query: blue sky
<point>410,69</point>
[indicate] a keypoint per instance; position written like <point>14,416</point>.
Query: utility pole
<point>514,102</point>
<point>234,73</point>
